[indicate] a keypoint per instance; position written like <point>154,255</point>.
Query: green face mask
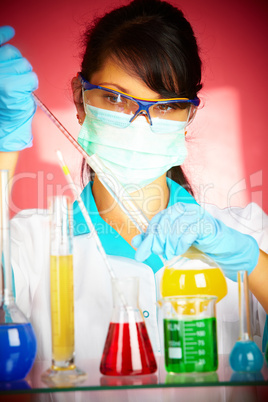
<point>135,155</point>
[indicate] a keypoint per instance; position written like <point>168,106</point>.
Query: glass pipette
<point>110,182</point>
<point>245,355</point>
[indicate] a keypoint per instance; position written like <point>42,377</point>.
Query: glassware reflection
<point>192,378</point>
<point>107,381</point>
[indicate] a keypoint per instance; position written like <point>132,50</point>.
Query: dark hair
<point>156,43</point>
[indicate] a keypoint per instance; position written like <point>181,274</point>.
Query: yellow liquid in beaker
<point>62,307</point>
<point>192,282</point>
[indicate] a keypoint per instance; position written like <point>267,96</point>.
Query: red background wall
<point>227,160</point>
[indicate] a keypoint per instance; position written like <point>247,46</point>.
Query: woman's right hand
<point>17,106</point>
<point>172,231</point>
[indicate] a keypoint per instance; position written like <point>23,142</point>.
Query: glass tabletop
<point>224,376</point>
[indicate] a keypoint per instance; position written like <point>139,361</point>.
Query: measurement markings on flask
<point>194,334</point>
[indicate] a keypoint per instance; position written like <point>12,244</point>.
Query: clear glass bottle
<point>192,274</point>
<point>17,339</point>
<point>128,350</point>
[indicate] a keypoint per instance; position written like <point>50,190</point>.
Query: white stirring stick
<point>89,223</point>
<point>85,213</point>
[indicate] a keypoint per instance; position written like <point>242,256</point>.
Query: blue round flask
<point>17,339</point>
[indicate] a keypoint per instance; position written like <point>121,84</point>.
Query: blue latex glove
<point>17,106</point>
<point>172,231</point>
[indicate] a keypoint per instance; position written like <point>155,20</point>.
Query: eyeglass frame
<point>144,104</point>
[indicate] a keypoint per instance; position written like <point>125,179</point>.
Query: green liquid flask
<point>190,337</point>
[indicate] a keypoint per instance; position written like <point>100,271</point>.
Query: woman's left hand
<point>172,231</point>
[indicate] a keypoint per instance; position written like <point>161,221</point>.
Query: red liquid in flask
<point>127,350</point>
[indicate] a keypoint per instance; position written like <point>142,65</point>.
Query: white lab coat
<point>92,286</point>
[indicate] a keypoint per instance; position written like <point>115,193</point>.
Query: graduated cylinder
<point>63,371</point>
<point>61,282</point>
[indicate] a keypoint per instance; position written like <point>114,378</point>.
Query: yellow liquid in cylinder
<point>188,282</point>
<point>62,307</point>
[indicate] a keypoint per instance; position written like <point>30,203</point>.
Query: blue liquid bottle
<point>17,339</point>
<point>245,355</point>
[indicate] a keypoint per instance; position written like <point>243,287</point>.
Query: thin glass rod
<point>244,311</point>
<point>5,235</point>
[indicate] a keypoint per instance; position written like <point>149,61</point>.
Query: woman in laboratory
<point>146,50</point>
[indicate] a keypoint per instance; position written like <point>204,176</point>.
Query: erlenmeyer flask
<point>127,350</point>
<point>192,274</point>
<point>17,338</point>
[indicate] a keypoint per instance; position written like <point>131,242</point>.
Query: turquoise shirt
<point>113,243</point>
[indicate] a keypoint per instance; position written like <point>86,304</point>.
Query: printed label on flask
<point>190,345</point>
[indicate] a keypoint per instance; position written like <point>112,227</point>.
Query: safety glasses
<point>176,109</point>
